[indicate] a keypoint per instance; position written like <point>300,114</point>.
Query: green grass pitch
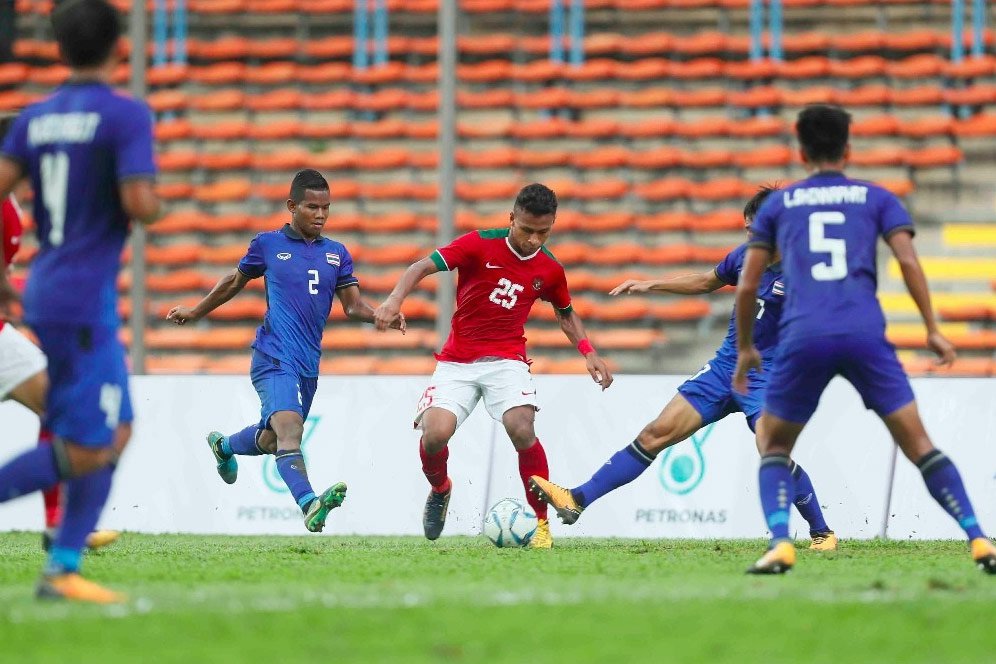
<point>350,599</point>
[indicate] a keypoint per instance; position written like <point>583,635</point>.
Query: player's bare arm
<point>389,309</point>
<point>140,200</point>
<point>901,243</point>
<point>356,308</point>
<point>686,284</point>
<point>573,328</point>
<point>227,287</point>
<point>755,261</point>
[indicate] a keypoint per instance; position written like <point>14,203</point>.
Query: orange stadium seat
<point>242,308</point>
<point>764,157</point>
<point>223,131</point>
<point>348,365</point>
<point>172,131</point>
<point>282,160</point>
<point>379,129</point>
<point>925,65</point>
<point>230,47</point>
<point>667,189</point>
<point>758,126</point>
<point>609,156</point>
<point>622,310</point>
<point>173,191</point>
<point>655,159</point>
<point>177,160</point>
<point>865,95</point>
<point>594,69</point>
<point>223,190</point>
<point>273,49</point>
<point>630,339</point>
<point>974,95</point>
<point>404,366</point>
<point>980,125</point>
<point>816,94</point>
<point>389,72</point>
<point>757,97</point>
<point>282,99</point>
<point>669,221</point>
<point>227,255</point>
<point>219,100</point>
<point>667,254</point>
<point>324,73</point>
<point>176,254</point>
<point>967,313</point>
<point>883,156</point>
<point>934,156</point>
<point>162,101</point>
<point>698,69</point>
<point>973,67</point>
<point>860,68</point>
<point>706,158</point>
<point>915,40</point>
<point>926,127</point>
<point>646,69</point>
<point>234,160</point>
<point>706,127</point>
<point>876,125</point>
<point>187,363</point>
<point>686,309</point>
<point>228,364</point>
<point>921,95</point>
<point>721,189</point>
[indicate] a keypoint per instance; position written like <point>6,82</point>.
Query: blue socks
<point>945,485</point>
<point>244,442</point>
<point>807,503</point>
<point>622,468</point>
<point>290,465</point>
<point>85,498</point>
<point>34,470</point>
<point>776,485</point>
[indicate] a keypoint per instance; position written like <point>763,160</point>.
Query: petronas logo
<point>271,477</point>
<point>683,466</point>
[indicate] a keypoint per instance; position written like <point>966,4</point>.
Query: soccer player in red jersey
<point>502,272</point>
<point>24,379</point>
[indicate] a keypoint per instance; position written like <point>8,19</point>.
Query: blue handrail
<point>360,59</point>
<point>380,32</point>
<point>557,31</point>
<point>577,32</point>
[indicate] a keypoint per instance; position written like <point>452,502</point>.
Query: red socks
<point>532,461</point>
<point>52,497</point>
<point>434,468</point>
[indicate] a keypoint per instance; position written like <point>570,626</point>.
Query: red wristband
<point>585,347</point>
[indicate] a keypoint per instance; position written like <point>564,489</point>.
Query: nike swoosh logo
<point>526,394</point>
<point>493,267</point>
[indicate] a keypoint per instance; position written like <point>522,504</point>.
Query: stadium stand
<point>652,143</point>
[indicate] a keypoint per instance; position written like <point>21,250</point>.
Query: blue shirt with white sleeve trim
<point>301,279</point>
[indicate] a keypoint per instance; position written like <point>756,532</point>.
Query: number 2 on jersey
<point>505,294</point>
<point>819,243</point>
<point>313,282</point>
<point>55,187</point>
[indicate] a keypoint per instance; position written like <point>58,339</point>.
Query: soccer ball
<point>509,523</point>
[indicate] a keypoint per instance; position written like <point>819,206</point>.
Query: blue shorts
<point>280,388</point>
<point>711,394</point>
<point>88,382</point>
<point>804,367</point>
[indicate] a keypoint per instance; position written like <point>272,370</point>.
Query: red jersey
<point>12,228</point>
<point>496,288</point>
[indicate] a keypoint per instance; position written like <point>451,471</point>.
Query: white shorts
<point>19,360</point>
<point>457,387</point>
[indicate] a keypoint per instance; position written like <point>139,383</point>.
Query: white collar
<point>518,255</point>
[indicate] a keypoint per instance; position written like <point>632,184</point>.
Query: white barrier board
<point>360,431</point>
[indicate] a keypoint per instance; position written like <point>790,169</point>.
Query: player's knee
<point>658,435</point>
<point>522,434</point>
<point>122,436</point>
<point>75,460</point>
<point>435,439</point>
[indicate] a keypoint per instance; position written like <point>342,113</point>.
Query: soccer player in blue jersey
<point>303,271</point>
<point>826,228</point>
<point>704,398</point>
<point>88,153</point>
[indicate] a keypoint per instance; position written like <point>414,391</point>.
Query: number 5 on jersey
<point>505,294</point>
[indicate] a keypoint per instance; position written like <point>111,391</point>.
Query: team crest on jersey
<point>283,255</point>
<point>333,259</point>
<point>537,283</point>
<point>778,288</point>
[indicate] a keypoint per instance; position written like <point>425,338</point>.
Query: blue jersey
<point>770,297</point>
<point>301,280</point>
<point>827,228</point>
<point>77,146</point>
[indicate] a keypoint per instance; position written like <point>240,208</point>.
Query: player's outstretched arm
<point>140,200</point>
<point>228,287</point>
<point>686,284</point>
<point>356,308</point>
<point>748,358</point>
<point>389,309</point>
<point>572,326</point>
<point>901,243</point>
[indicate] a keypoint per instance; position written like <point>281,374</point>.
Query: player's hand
<point>181,315</point>
<point>943,348</point>
<point>400,323</point>
<point>386,314</point>
<point>8,297</point>
<point>746,360</point>
<point>632,287</point>
<point>598,369</point>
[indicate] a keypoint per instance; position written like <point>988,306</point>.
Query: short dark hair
<point>307,179</point>
<point>823,132</point>
<point>87,31</point>
<point>754,204</point>
<point>536,199</point>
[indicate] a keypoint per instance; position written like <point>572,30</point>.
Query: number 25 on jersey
<point>506,293</point>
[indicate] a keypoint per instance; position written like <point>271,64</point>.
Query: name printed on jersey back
<point>834,195</point>
<point>63,128</point>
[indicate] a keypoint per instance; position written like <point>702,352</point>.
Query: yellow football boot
<point>984,554</point>
<point>98,539</point>
<point>75,588</point>
<point>779,559</point>
<point>541,539</point>
<point>826,541</point>
<point>557,497</point>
